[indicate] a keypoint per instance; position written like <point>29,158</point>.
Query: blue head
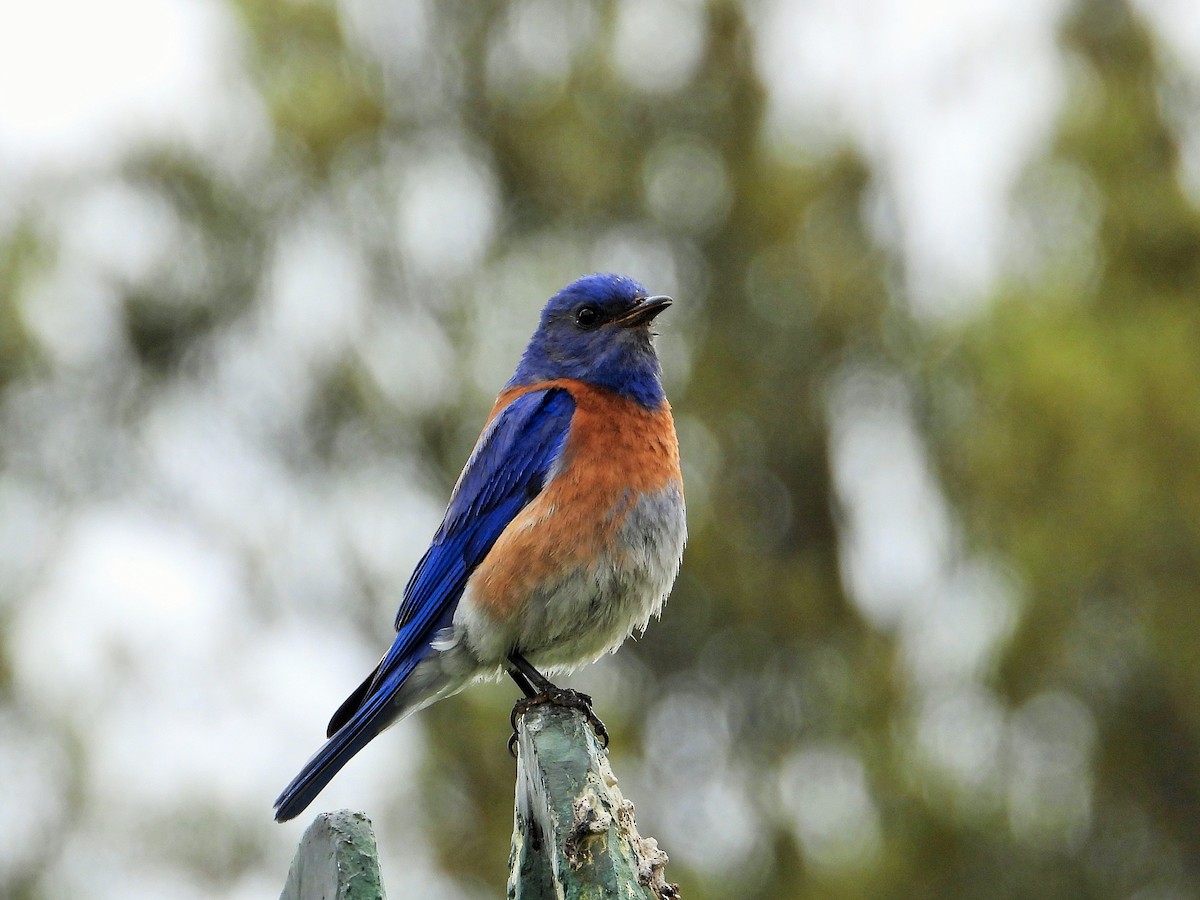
<point>597,330</point>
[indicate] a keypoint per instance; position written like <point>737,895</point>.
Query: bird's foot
<point>558,697</point>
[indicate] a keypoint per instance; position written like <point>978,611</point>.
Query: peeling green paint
<point>336,860</point>
<point>574,836</point>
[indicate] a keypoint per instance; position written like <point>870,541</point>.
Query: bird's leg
<point>522,681</point>
<point>538,689</point>
<point>528,679</point>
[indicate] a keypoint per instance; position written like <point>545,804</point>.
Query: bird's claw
<point>558,697</point>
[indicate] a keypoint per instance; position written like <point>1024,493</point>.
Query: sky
<point>949,100</point>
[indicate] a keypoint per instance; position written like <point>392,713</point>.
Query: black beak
<point>643,312</point>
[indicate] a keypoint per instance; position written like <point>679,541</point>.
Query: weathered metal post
<point>336,860</point>
<point>575,835</point>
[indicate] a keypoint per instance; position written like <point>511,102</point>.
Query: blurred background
<point>265,263</point>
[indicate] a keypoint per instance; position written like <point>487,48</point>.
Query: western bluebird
<point>563,534</point>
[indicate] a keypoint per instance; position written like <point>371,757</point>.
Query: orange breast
<point>616,450</point>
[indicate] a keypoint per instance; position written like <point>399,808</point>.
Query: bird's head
<point>597,330</point>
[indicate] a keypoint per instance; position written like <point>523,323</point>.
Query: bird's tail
<point>382,708</point>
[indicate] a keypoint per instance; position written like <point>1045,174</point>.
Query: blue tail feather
<point>374,716</point>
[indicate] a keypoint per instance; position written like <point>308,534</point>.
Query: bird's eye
<point>587,316</point>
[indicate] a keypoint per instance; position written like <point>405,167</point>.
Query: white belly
<point>590,610</point>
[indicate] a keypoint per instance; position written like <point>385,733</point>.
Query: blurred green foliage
<point>1062,421</point>
<point>1076,459</point>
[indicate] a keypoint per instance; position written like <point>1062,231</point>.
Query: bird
<point>562,537</point>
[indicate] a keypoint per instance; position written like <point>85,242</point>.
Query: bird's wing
<point>509,467</point>
<point>511,463</point>
<point>513,460</point>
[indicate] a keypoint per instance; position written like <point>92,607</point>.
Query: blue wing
<point>509,467</point>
